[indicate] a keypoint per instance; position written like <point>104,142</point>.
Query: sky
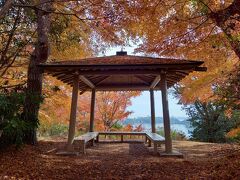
<point>141,104</point>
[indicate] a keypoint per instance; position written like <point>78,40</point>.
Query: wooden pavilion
<point>122,72</point>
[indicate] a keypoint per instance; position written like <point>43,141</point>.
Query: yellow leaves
<point>233,133</point>
<point>199,85</point>
<point>45,118</point>
<point>73,52</point>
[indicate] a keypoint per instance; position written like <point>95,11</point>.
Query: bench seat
<point>156,139</point>
<point>83,139</point>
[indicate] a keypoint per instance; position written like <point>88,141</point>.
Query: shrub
<point>209,122</point>
<point>117,126</point>
<point>12,124</point>
<point>176,135</point>
<point>52,129</point>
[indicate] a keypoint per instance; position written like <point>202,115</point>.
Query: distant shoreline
<point>179,124</point>
<point>147,119</point>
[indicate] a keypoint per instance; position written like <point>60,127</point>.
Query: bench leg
<point>155,149</point>
<point>92,142</point>
<point>146,139</point>
<point>82,147</point>
<point>97,139</point>
<point>121,138</point>
<point>149,143</point>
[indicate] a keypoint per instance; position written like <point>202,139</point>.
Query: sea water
<point>177,127</point>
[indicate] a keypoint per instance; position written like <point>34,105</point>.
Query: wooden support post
<point>155,148</point>
<point>92,110</point>
<point>121,138</point>
<point>72,123</point>
<point>153,124</point>
<point>166,118</point>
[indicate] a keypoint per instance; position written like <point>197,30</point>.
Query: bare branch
<point>8,4</point>
<point>10,37</point>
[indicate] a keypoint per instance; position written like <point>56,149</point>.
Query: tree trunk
<point>223,20</point>
<point>34,81</point>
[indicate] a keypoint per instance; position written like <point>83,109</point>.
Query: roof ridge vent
<point>121,53</point>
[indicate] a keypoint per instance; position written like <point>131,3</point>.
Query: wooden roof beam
<point>102,80</point>
<point>82,92</point>
<point>122,88</point>
<point>114,72</point>
<point>87,81</point>
<point>142,80</point>
<point>201,69</point>
<point>155,82</point>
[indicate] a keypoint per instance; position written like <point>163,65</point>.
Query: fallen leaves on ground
<point>118,161</point>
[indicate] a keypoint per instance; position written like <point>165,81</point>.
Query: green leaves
<point>199,4</point>
<point>209,122</point>
<point>11,119</point>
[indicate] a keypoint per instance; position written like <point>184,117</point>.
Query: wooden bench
<point>156,139</point>
<point>82,140</point>
<point>116,133</point>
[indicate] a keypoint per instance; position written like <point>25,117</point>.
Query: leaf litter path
<point>121,161</point>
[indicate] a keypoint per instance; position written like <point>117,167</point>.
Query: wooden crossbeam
<point>87,82</point>
<point>123,88</point>
<point>155,82</point>
<point>102,80</point>
<point>66,78</point>
<point>142,80</point>
<point>203,69</point>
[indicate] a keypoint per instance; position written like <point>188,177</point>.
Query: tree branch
<point>8,4</point>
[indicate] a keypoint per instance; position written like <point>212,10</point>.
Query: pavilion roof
<point>123,60</point>
<point>122,72</point>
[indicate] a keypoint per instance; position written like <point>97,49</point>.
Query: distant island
<point>147,120</point>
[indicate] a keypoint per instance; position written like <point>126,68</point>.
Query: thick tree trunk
<point>34,82</point>
<point>223,19</point>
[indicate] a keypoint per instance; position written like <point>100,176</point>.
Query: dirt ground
<point>122,161</point>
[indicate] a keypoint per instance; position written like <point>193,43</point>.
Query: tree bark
<point>8,4</point>
<point>222,18</point>
<point>34,81</point>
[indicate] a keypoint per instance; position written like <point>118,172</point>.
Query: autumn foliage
<point>190,29</point>
<point>110,108</point>
<point>234,133</point>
